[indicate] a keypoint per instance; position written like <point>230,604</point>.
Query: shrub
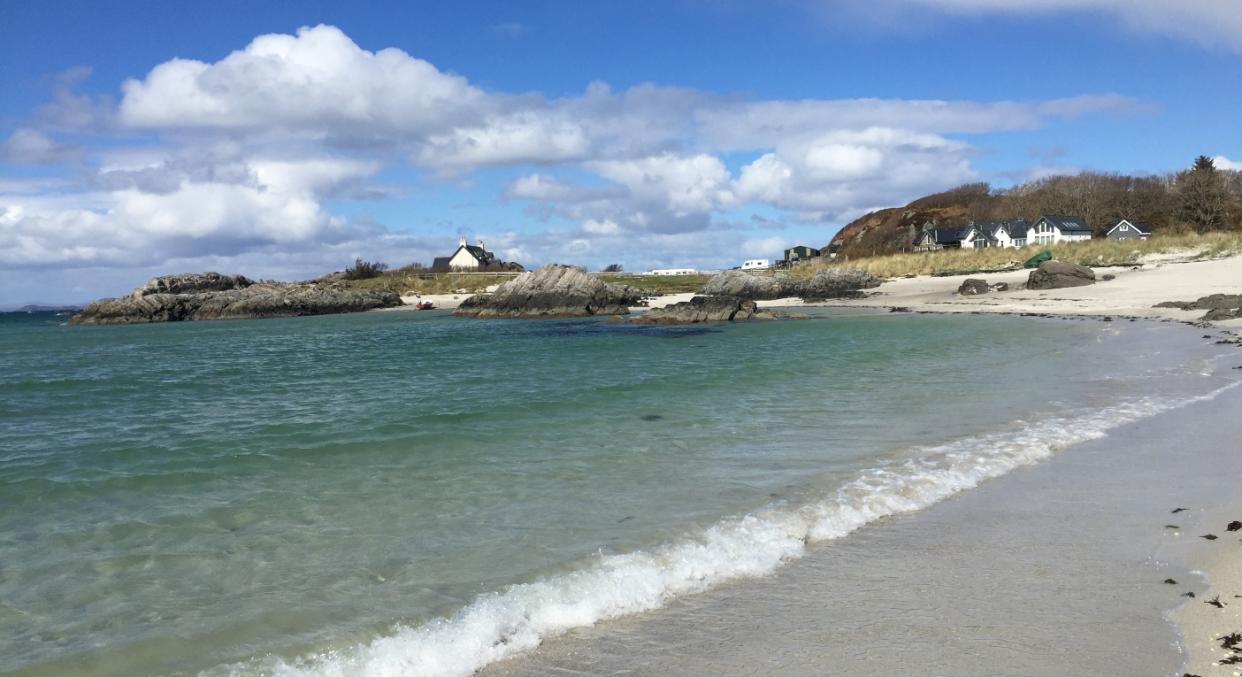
<point>365,270</point>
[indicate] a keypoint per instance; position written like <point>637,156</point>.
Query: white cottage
<point>1053,228</point>
<point>995,234</point>
<point>467,257</point>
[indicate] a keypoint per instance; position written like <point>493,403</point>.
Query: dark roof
<point>480,254</point>
<point>1016,228</point>
<point>1142,228</point>
<point>1067,223</point>
<point>986,230</point>
<point>440,262</point>
<point>942,235</point>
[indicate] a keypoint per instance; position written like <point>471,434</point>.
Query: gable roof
<point>480,254</point>
<point>1140,228</point>
<point>986,231</point>
<point>1016,228</point>
<point>941,235</point>
<point>1067,224</point>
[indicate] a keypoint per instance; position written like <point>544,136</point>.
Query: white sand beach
<point>1132,293</point>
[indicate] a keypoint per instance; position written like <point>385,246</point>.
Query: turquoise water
<point>359,494</point>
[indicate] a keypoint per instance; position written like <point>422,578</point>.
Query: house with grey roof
<point>1128,230</point>
<point>1055,228</point>
<point>933,239</point>
<point>995,234</point>
<point>470,257</point>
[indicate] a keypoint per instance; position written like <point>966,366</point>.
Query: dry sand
<point>1131,294</point>
<point>1203,624</point>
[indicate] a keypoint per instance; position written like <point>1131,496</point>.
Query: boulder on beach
<point>212,296</point>
<point>973,287</point>
<point>706,309</point>
<point>1218,306</point>
<point>555,290</point>
<point>827,283</point>
<point>1059,275</point>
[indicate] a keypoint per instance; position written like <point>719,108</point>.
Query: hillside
<point>1201,199</point>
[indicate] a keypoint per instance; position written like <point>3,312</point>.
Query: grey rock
<point>1058,275</point>
<point>1000,286</point>
<point>706,309</point>
<point>555,290</point>
<point>192,283</point>
<point>973,287</point>
<point>827,283</point>
<point>835,283</point>
<point>210,296</point>
<point>1219,306</point>
<point>1108,277</point>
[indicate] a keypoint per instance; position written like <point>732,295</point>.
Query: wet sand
<point>1056,569</point>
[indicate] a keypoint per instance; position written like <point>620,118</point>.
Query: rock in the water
<point>706,309</point>
<point>1059,274</point>
<point>973,287</point>
<point>827,283</point>
<point>555,290</point>
<point>211,296</point>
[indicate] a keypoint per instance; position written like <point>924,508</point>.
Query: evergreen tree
<point>1204,194</point>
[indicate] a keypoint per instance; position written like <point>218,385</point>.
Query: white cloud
<point>30,146</point>
<point>1209,22</point>
<point>1223,162</point>
<point>318,80</point>
<point>682,184</point>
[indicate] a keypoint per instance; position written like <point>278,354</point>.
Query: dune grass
<point>405,281</point>
<point>659,284</point>
<point>1097,252</point>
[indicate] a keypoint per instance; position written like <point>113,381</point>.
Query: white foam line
<point>518,618</point>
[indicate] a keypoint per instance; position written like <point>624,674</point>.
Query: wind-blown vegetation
<point>1097,252</point>
<point>419,280</point>
<point>660,284</point>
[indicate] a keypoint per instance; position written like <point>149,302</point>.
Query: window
<point>1124,227</point>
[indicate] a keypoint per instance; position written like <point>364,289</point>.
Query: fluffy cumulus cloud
<point>239,158</point>
<point>1223,162</point>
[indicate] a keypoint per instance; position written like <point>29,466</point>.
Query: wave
<point>519,618</point>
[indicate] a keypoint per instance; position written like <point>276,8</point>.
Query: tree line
<point>1200,199</point>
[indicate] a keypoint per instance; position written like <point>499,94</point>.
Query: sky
<point>282,140</point>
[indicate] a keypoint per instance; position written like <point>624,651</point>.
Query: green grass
<point>659,284</point>
<point>406,281</point>
<point>1097,252</point>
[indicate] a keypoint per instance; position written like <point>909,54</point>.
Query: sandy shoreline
<point>1205,568</point>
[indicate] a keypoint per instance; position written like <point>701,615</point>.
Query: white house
<point>1053,228</point>
<point>756,264</point>
<point>980,236</point>
<point>1127,230</point>
<point>467,257</point>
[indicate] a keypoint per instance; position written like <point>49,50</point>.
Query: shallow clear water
<point>358,494</point>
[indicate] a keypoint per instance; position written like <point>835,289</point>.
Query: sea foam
<point>501,624</point>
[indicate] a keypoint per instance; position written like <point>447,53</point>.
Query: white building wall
<point>463,259</point>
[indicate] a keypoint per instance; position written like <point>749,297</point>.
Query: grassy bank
<point>1099,252</point>
<point>659,284</point>
<point>412,282</point>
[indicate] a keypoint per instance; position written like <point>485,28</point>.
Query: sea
<point>410,493</point>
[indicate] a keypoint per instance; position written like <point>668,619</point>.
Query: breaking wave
<point>518,618</point>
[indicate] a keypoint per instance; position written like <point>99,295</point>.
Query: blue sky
<point>283,139</point>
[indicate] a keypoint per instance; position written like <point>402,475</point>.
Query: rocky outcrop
<point>706,309</point>
<point>555,290</point>
<point>827,283</point>
<point>973,287</point>
<point>212,296</point>
<point>1059,275</point>
<point>1218,306</point>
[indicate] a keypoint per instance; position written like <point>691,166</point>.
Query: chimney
<point>461,241</point>
<point>481,245</point>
